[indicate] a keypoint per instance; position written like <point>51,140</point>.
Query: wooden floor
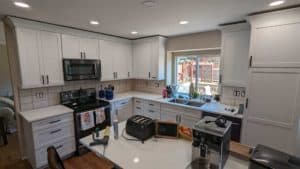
<point>10,158</point>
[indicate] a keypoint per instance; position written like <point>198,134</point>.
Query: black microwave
<point>78,69</point>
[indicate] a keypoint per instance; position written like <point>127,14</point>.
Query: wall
<point>202,40</point>
<point>5,81</point>
<point>150,86</point>
<point>49,96</point>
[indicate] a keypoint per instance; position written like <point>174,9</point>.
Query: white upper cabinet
<point>75,47</point>
<point>149,58</point>
<point>28,50</point>
<point>40,58</point>
<point>90,47</point>
<point>52,58</point>
<point>235,54</point>
<point>142,58</point>
<point>71,47</point>
<point>116,59</point>
<point>275,39</point>
<point>106,57</point>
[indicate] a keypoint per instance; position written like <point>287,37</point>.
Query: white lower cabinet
<point>183,116</point>
<point>56,131</point>
<point>63,148</point>
<point>122,109</point>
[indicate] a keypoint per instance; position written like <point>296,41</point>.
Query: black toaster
<point>140,127</point>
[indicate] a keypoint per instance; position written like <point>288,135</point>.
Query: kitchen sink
<point>186,102</point>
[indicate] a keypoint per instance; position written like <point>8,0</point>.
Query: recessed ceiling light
<point>21,4</point>
<point>183,22</point>
<point>276,3</point>
<point>149,3</point>
<point>94,22</point>
<point>134,32</point>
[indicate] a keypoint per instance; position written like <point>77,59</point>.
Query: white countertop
<point>207,107</point>
<point>135,94</point>
<point>155,153</point>
<point>43,113</point>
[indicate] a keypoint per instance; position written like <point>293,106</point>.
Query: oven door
<point>76,69</point>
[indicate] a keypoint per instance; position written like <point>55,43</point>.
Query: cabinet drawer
<point>122,103</point>
<point>52,122</point>
<point>139,102</point>
<point>138,110</point>
<point>50,135</point>
<point>152,105</point>
<point>63,147</point>
<point>154,114</point>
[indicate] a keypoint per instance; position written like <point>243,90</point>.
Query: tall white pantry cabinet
<point>272,114</point>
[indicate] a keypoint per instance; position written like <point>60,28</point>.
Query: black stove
<point>84,102</point>
<point>81,100</point>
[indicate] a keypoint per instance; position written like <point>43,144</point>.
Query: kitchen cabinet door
<point>158,58</point>
<point>122,56</point>
<point>90,48</point>
<point>51,58</point>
<point>169,116</point>
<point>71,47</point>
<point>272,115</point>
<point>28,49</point>
<point>142,58</point>
<point>275,39</point>
<point>107,59</point>
<point>123,109</point>
<point>235,54</point>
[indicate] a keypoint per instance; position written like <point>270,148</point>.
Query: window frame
<point>197,56</point>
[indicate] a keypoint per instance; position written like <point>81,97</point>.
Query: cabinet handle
<point>151,111</point>
<point>84,55</point>
<point>151,104</point>
<point>128,74</point>
<point>138,108</point>
<point>246,104</point>
<point>153,77</point>
<point>55,131</point>
<point>116,75</point>
<point>124,103</point>
<point>220,79</point>
<point>58,147</point>
<point>250,62</point>
<point>43,79</point>
<point>55,121</point>
<point>47,77</point>
<point>80,55</point>
<point>137,101</point>
<point>149,74</point>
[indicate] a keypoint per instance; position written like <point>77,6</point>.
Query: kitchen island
<point>155,153</point>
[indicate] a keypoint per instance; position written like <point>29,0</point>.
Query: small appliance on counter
<point>264,157</point>
<point>140,127</point>
<point>211,140</point>
<point>89,113</point>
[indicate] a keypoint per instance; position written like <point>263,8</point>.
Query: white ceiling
<point>120,17</point>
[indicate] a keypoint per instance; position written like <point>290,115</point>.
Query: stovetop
<point>79,107</point>
<point>81,100</point>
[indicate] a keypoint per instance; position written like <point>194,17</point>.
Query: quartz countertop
<point>155,153</point>
<point>207,107</point>
<point>43,113</point>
